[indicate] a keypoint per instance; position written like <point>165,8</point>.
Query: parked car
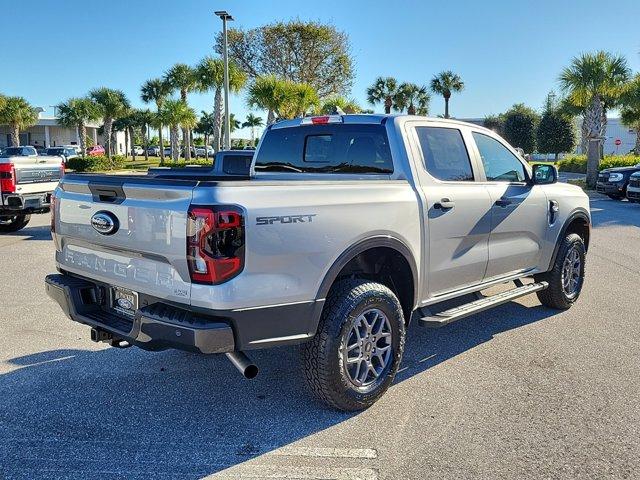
<point>27,181</point>
<point>347,228</point>
<point>225,163</point>
<point>613,181</point>
<point>201,151</point>
<point>633,189</point>
<point>66,152</point>
<point>154,151</point>
<point>167,151</point>
<point>96,151</point>
<point>137,150</point>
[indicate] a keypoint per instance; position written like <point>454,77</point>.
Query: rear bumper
<point>155,327</point>
<point>27,203</point>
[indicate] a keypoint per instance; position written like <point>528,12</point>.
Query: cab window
<point>500,165</point>
<point>445,154</point>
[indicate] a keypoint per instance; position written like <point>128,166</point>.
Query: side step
<point>447,316</point>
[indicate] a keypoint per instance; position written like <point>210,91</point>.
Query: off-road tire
<point>324,370</point>
<point>18,223</point>
<point>554,296</point>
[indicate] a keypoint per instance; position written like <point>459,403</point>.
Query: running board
<point>447,316</point>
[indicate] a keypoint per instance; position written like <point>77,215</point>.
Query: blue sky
<point>505,51</point>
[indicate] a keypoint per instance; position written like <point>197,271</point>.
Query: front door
<point>457,210</point>
<point>519,219</point>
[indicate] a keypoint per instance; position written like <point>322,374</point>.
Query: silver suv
<point>347,229</point>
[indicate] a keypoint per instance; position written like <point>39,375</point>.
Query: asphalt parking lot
<point>517,392</point>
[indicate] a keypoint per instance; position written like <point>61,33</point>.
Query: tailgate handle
<point>107,193</point>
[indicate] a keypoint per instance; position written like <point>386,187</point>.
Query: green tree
<point>184,79</point>
<point>301,98</point>
<point>210,73</point>
<point>126,123</point>
<point>111,104</point>
<point>269,93</point>
<point>253,122</point>
<point>520,123</point>
<point>630,112</point>
<point>594,83</point>
<point>555,133</point>
<point>332,105</point>
<point>156,90</point>
<point>444,84</point>
<point>234,124</point>
<point>76,113</point>
<point>19,115</point>
<point>206,126</point>
<point>176,114</point>
<point>299,51</point>
<point>412,98</point>
<point>495,123</point>
<point>383,90</point>
<point>143,119</point>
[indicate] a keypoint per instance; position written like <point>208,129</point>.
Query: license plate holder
<point>124,301</point>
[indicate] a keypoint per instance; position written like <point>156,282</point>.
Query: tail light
<point>215,244</point>
<point>52,207</point>
<point>7,178</point>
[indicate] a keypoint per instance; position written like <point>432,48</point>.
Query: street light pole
<point>224,16</point>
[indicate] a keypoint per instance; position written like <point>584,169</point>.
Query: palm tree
<point>593,83</point>
<point>382,91</point>
<point>300,99</point>
<point>413,98</point>
<point>206,126</point>
<point>630,112</point>
<point>252,122</point>
<point>143,119</point>
<point>19,115</point>
<point>234,124</point>
<point>176,114</point>
<point>210,73</point>
<point>183,78</point>
<point>76,113</point>
<point>268,93</point>
<point>346,105</point>
<point>112,104</point>
<point>444,84</point>
<point>156,90</point>
<point>125,124</point>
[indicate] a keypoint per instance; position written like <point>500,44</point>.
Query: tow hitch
<point>99,335</point>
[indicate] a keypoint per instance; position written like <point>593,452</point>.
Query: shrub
<point>578,163</point>
<point>95,164</point>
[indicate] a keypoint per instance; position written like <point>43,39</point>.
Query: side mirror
<point>544,174</point>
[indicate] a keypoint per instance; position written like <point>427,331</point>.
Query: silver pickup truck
<point>27,181</point>
<point>348,228</point>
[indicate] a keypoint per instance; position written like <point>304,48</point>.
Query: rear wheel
<point>615,197</point>
<point>354,357</point>
<point>13,223</point>
<point>567,275</point>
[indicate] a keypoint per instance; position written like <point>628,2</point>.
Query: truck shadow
<point>85,413</point>
<point>31,233</point>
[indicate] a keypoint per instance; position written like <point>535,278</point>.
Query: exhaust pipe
<point>244,365</point>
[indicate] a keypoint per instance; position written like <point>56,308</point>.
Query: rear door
<point>519,213</point>
<point>146,252</point>
<point>457,208</point>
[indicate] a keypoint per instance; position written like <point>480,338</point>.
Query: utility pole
<point>224,16</point>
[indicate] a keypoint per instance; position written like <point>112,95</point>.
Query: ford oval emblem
<point>124,303</point>
<point>104,223</point>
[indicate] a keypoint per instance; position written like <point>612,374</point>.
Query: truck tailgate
<point>147,250</point>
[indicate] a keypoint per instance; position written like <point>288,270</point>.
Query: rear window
<point>326,149</point>
<point>236,164</point>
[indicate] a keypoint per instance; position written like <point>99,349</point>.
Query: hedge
<point>578,163</point>
<point>95,164</point>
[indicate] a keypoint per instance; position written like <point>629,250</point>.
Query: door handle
<point>444,204</point>
<point>504,202</point>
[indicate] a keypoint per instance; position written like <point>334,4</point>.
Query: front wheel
<point>616,197</point>
<point>13,223</point>
<point>567,275</point>
<point>354,357</point>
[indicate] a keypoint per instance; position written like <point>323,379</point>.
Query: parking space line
<point>301,473</point>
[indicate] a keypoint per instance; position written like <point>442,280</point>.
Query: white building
<point>47,132</point>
